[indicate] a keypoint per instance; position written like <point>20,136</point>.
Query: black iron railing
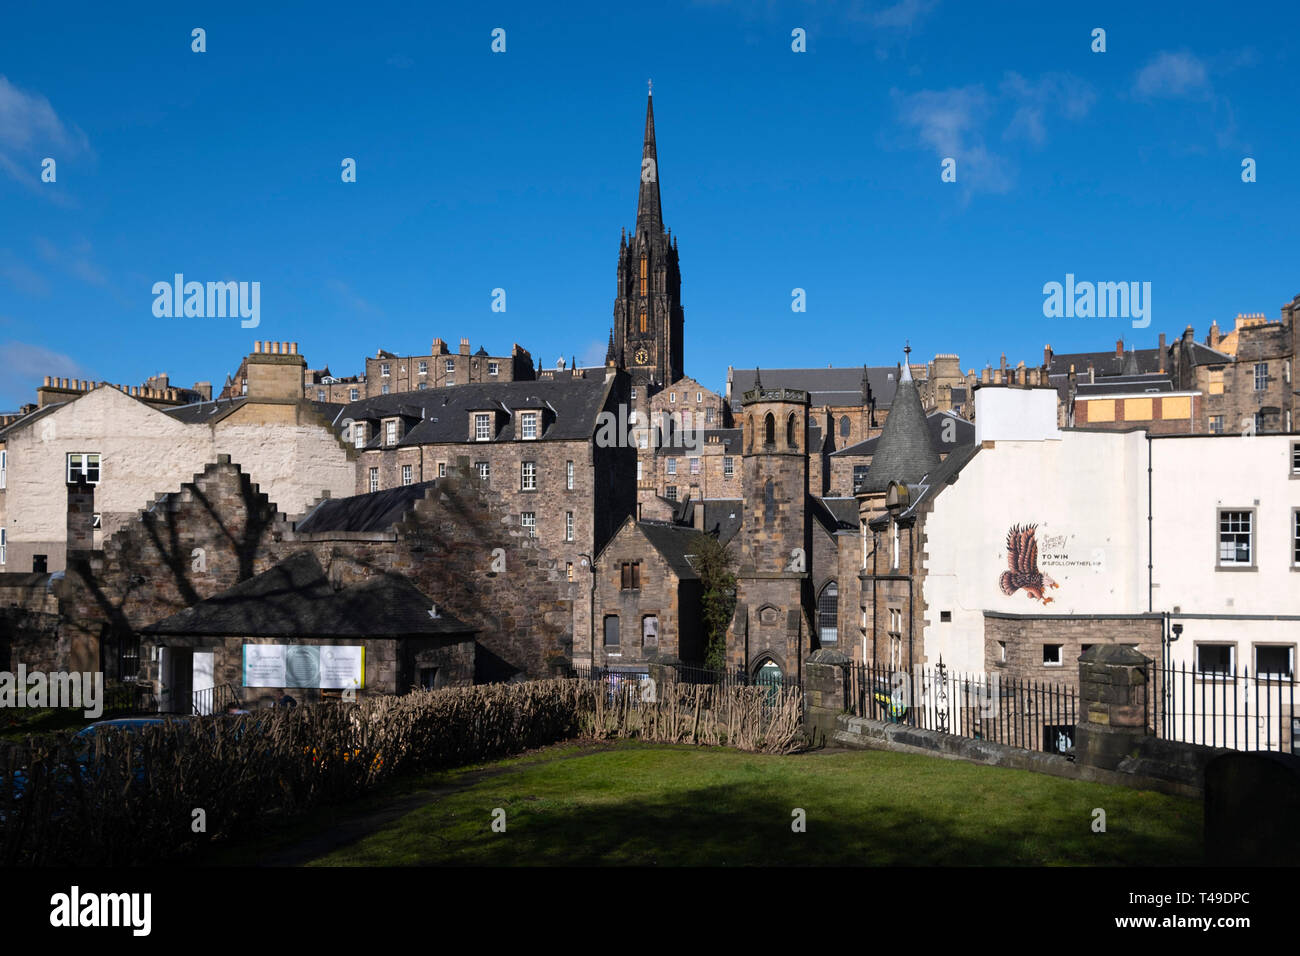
<point>1231,709</point>
<point>1034,715</point>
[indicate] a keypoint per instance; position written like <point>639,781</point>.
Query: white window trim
<point>407,477</point>
<point>485,419</point>
<point>84,457</point>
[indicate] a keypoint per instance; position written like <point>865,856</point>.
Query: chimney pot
<point>1119,348</point>
<point>47,381</point>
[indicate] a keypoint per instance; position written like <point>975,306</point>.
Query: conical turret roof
<point>904,452</point>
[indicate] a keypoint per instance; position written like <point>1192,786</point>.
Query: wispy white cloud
<point>1170,75</point>
<point>75,259</point>
<point>903,15</point>
<point>953,122</point>
<point>350,299</point>
<point>30,130</point>
<point>21,276</point>
<point>24,366</point>
<point>1034,100</point>
<point>949,122</point>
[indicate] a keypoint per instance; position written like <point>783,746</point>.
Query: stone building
<point>290,630</point>
<point>539,445</point>
<point>388,373</point>
<point>130,446</point>
<point>648,595</point>
<point>450,540</point>
<point>773,622</point>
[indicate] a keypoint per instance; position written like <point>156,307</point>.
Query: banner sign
<point>326,667</point>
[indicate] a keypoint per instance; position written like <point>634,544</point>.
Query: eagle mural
<point>1022,560</point>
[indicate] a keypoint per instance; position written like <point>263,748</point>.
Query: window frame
<point>1220,564</point>
<point>1228,675</point>
<point>728,467</point>
<point>493,368</point>
<point>482,426</point>
<point>484,470</point>
<point>384,369</point>
<point>528,426</point>
<point>528,519</point>
<point>568,476</point>
<point>568,526</point>
<point>1261,376</point>
<point>407,477</point>
<point>1274,675</point>
<point>423,367</point>
<point>1060,655</point>
<point>528,475</point>
<point>390,432</point>
<point>373,483</point>
<point>84,466</point>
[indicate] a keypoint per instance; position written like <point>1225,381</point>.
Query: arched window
<point>844,426</point>
<point>643,321</point>
<point>828,614</point>
<point>769,430</point>
<point>789,432</point>
<point>643,280</point>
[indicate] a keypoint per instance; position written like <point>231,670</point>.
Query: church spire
<point>649,217</point>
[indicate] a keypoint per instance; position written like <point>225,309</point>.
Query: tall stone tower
<point>773,622</point>
<point>648,316</point>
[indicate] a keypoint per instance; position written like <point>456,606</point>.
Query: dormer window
<point>359,434</point>
<point>390,433</point>
<point>528,425</point>
<point>483,426</point>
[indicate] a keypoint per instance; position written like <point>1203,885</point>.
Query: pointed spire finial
<point>650,85</point>
<point>758,379</point>
<point>907,365</point>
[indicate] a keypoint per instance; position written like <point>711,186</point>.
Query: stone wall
<point>1024,637</point>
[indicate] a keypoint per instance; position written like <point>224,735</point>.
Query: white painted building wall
<point>145,452</point>
<point>1085,491</point>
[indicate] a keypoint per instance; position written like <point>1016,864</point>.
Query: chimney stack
<point>1047,356</point>
<point>464,346</point>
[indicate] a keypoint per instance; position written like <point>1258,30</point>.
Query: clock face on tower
<point>642,356</point>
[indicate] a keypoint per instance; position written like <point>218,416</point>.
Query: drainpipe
<point>1150,534</point>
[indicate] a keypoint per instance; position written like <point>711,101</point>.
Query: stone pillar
<point>825,692</point>
<point>1113,685</point>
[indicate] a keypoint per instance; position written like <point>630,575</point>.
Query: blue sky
<point>475,170</point>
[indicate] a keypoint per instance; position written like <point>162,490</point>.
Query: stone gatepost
<point>1113,686</point>
<point>825,692</point>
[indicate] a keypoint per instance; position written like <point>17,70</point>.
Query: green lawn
<point>643,804</point>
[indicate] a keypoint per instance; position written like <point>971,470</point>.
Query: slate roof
<point>1106,363</point>
<point>674,543</point>
<point>375,511</point>
<point>934,423</point>
<point>836,514</point>
<point>825,386</point>
<point>443,413</point>
<point>1125,384</point>
<point>904,451</point>
<point>200,412</point>
<point>722,516</point>
<point>29,418</point>
<point>295,599</point>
